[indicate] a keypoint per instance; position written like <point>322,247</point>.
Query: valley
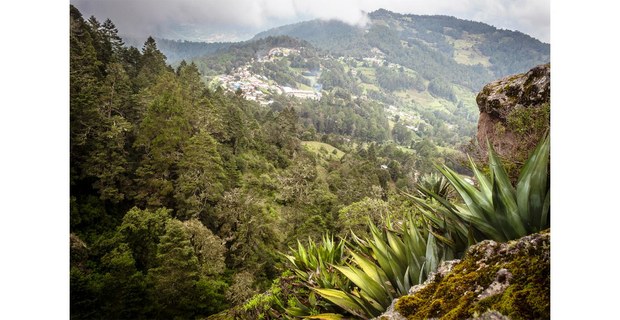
<point>318,170</point>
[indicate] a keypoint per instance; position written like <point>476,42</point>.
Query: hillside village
<point>259,88</point>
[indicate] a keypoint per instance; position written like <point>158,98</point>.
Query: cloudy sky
<point>234,20</point>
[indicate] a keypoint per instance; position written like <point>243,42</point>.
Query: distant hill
<point>459,51</point>
<point>178,50</point>
<point>425,71</point>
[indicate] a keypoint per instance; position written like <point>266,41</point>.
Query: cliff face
<point>493,281</point>
<point>514,113</point>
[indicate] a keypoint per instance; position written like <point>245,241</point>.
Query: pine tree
<point>174,279</point>
<point>152,64</point>
<point>110,34</point>
<point>141,230</point>
<point>161,135</point>
<point>199,185</point>
<point>208,247</point>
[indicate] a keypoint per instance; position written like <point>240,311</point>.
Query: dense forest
<point>186,201</point>
<point>175,183</point>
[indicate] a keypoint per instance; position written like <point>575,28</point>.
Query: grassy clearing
<point>405,149</point>
<point>368,72</point>
<point>465,52</point>
<point>302,86</point>
<point>420,98</point>
<point>315,146</point>
<point>369,87</point>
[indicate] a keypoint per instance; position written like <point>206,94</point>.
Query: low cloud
<point>199,20</point>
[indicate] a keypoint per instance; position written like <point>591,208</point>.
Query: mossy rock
<point>521,105</point>
<point>511,279</point>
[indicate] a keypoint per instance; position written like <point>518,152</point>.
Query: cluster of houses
<point>253,86</point>
<point>274,53</point>
<point>258,88</point>
<point>412,121</point>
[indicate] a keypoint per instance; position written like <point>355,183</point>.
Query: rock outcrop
<point>493,281</point>
<point>514,113</point>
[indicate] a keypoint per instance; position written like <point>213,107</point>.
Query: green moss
<point>456,295</point>
<point>529,121</point>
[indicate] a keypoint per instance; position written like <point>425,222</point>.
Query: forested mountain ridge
<point>415,108</point>
<point>179,50</point>
<point>460,51</point>
<point>424,70</point>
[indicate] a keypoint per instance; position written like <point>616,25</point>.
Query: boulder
<point>514,113</point>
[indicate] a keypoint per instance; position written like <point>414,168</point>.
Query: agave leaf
<point>296,311</point>
<point>485,226</point>
<point>504,199</point>
<point>443,239</point>
<point>533,188</point>
<point>544,218</point>
<point>414,242</point>
<point>476,203</point>
<point>483,182</point>
<point>378,238</point>
<point>400,284</point>
<point>365,283</point>
<point>504,224</point>
<point>432,255</point>
<point>421,278</point>
<point>399,274</point>
<point>346,301</point>
<point>384,262</point>
<point>302,253</point>
<point>407,279</point>
<point>398,247</point>
<point>368,267</point>
<point>325,316</point>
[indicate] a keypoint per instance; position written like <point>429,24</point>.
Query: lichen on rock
<point>493,281</point>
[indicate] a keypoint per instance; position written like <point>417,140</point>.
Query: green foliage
<point>440,88</point>
<point>402,135</point>
<point>433,183</point>
<point>176,273</point>
<point>384,267</point>
<point>199,184</point>
<point>248,228</point>
<point>241,288</point>
<point>393,80</point>
<point>496,210</point>
<point>141,230</point>
<point>209,248</point>
<point>314,265</point>
<point>355,216</point>
<point>181,196</point>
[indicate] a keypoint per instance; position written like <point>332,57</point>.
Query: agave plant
<point>435,183</point>
<point>314,266</point>
<point>384,267</point>
<point>495,209</point>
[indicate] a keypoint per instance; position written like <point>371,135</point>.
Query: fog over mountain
<point>234,20</point>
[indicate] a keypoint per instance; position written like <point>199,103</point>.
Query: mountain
<point>178,50</point>
<point>465,52</point>
<point>425,70</point>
